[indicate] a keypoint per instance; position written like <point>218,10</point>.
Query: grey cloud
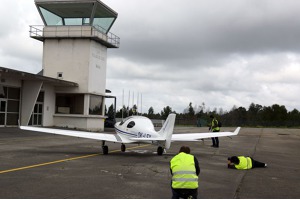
<point>223,53</point>
<point>209,31</point>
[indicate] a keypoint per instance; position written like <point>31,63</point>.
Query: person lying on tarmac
<point>242,162</point>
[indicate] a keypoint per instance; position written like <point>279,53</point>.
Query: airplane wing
<point>82,134</point>
<point>198,136</point>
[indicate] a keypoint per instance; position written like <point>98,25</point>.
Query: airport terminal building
<point>70,90</point>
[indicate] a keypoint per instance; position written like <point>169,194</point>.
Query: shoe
<point>265,165</point>
<point>216,146</point>
<point>212,146</point>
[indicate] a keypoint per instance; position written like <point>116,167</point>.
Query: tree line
<point>254,116</point>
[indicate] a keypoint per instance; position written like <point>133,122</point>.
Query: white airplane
<point>137,129</point>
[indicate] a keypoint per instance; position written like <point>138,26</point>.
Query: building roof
<point>11,73</point>
<point>57,7</point>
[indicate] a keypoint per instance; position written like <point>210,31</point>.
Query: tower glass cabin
<point>75,36</point>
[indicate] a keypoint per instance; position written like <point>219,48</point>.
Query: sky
<point>220,53</point>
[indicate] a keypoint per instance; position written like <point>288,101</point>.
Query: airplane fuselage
<point>136,127</point>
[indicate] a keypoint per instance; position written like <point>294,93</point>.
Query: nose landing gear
<point>160,150</point>
<point>104,148</point>
<point>123,148</point>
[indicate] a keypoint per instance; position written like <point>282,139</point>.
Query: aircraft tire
<point>123,148</point>
<point>105,149</point>
<point>160,151</point>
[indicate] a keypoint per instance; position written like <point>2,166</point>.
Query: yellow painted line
<point>47,163</point>
<point>63,160</point>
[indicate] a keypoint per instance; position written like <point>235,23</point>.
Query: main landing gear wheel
<point>160,151</point>
<point>123,148</point>
<point>105,149</point>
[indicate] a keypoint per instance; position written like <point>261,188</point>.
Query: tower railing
<point>97,33</point>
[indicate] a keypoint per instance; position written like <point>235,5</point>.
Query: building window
<point>69,103</point>
<point>14,93</point>
<point>96,105</point>
<point>36,118</point>
<point>3,92</point>
<point>51,18</point>
<point>9,105</point>
<point>13,106</point>
<point>60,75</point>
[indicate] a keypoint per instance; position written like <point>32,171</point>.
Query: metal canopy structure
<point>76,12</point>
<point>9,73</point>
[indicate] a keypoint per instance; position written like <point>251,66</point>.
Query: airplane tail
<point>167,129</point>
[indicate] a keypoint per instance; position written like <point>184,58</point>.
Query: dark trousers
<point>215,141</point>
<point>256,163</point>
<point>184,193</point>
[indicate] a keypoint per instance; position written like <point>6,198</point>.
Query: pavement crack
<point>236,195</point>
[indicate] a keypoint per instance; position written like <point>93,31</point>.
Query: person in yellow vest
<point>242,162</point>
<point>185,170</point>
<point>214,128</point>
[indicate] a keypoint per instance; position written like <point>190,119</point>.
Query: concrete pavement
<point>37,165</point>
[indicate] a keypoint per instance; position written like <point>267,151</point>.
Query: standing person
<point>242,162</point>
<point>185,170</point>
<point>214,128</point>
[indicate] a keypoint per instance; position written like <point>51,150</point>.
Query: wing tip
<point>237,130</point>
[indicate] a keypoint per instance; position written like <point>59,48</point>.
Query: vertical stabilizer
<point>167,130</point>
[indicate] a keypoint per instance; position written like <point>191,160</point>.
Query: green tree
<point>293,118</point>
<point>279,115</point>
<point>254,114</point>
<point>123,112</point>
<point>151,113</point>
<point>241,116</point>
<point>165,112</point>
<point>111,112</point>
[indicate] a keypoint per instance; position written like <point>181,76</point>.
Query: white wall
<point>49,105</point>
<point>80,60</point>
<point>30,93</point>
<point>69,56</point>
<point>81,122</point>
<point>97,68</point>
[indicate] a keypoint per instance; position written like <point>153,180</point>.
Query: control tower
<point>75,39</point>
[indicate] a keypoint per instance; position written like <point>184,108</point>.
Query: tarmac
<point>44,166</point>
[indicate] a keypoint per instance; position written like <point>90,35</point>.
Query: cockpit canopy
<point>133,121</point>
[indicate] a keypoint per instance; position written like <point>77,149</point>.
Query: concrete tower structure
<point>75,39</point>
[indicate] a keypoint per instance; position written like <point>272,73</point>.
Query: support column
<point>30,93</point>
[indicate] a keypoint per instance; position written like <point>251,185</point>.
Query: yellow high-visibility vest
<point>184,172</point>
<point>245,163</point>
<point>214,125</point>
